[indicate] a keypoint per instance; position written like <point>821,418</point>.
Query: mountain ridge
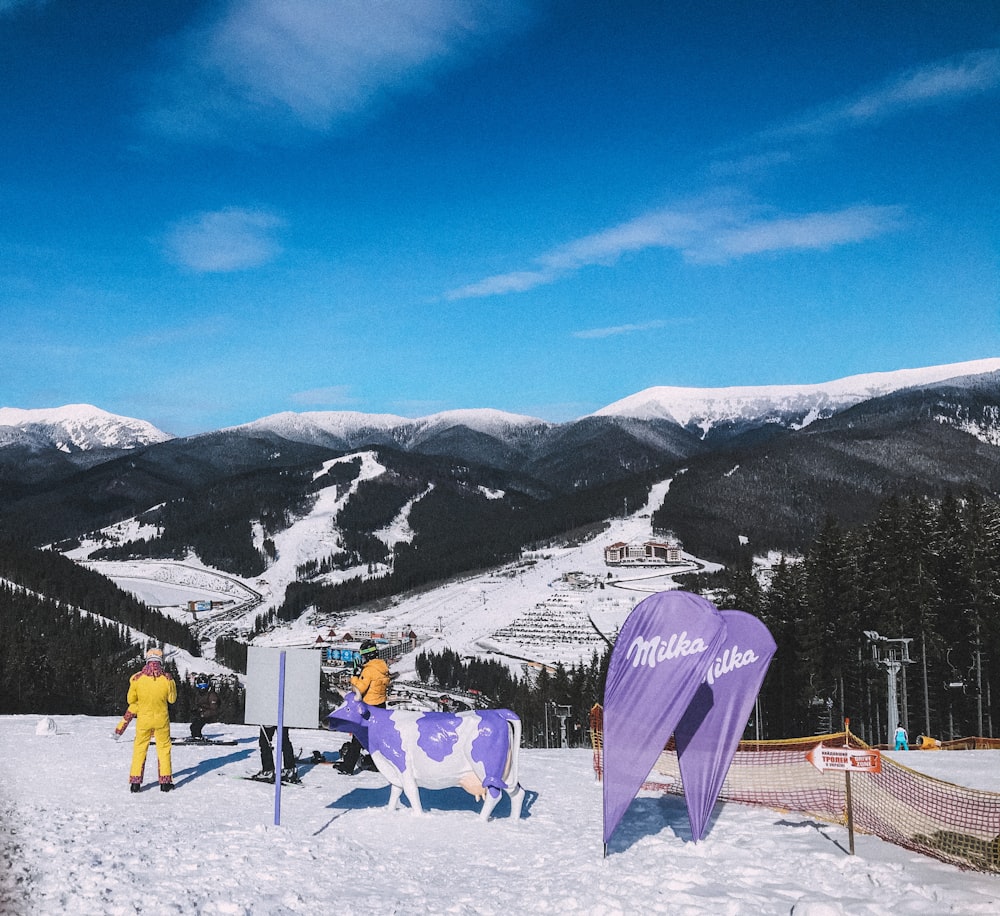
<point>797,465</point>
<point>79,427</point>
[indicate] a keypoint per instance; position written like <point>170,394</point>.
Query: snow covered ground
<point>74,841</point>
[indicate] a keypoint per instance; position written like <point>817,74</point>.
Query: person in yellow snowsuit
<point>149,693</point>
<point>372,682</point>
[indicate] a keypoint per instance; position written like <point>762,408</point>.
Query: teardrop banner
<point>710,730</point>
<point>659,660</point>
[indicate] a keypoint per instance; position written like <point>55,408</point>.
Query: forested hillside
<point>457,529</point>
<point>53,576</point>
<point>925,570</point>
<point>53,659</point>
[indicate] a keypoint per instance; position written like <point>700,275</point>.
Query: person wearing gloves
<point>150,692</point>
<point>127,717</point>
<point>371,680</point>
<point>205,707</point>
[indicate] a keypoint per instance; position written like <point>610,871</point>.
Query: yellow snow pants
<point>143,734</point>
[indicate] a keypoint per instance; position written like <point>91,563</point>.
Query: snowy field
<point>74,841</point>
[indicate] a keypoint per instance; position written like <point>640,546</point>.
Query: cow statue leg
<point>407,786</point>
<point>411,791</point>
<point>516,801</point>
<point>489,803</point>
<point>399,784</point>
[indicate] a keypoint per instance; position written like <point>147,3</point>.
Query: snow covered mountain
<point>75,428</point>
<point>793,406</point>
<point>845,443</point>
<point>350,429</point>
<point>702,412</point>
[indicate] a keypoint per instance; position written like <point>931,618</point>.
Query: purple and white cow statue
<point>436,750</point>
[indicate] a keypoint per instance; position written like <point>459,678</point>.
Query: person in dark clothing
<point>266,739</point>
<point>205,707</point>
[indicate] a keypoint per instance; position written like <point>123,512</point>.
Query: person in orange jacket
<point>372,684</point>
<point>149,693</point>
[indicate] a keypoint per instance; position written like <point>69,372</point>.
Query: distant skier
<point>371,680</point>
<point>206,705</point>
<point>900,739</point>
<point>150,692</point>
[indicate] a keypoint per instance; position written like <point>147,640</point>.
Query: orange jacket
<point>373,682</point>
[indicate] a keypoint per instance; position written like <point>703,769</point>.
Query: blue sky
<point>212,211</point>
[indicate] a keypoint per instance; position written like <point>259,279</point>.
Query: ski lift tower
<point>562,713</point>
<point>893,654</point>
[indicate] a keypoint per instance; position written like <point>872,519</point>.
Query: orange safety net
<point>930,816</point>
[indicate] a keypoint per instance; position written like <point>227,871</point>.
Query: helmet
<point>202,682</point>
<point>154,655</point>
<point>368,650</point>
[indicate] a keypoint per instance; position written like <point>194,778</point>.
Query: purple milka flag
<point>657,664</point>
<point>710,730</point>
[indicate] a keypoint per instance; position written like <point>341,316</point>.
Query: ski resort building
<point>649,553</point>
<point>391,645</point>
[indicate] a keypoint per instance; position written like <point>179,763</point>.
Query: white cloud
<point>223,241</point>
<point>9,7</point>
<point>595,333</point>
<point>518,281</point>
<point>709,232</point>
<point>299,62</point>
<point>338,395</point>
<point>706,231</point>
<point>789,233</point>
<point>949,80</point>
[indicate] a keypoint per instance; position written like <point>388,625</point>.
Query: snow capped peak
<point>484,420</point>
<point>81,427</point>
<point>349,428</point>
<point>706,406</point>
<point>343,423</point>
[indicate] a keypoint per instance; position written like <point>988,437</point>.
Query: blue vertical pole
<point>279,739</point>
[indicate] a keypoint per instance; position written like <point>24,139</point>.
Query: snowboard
<point>223,742</point>
<point>270,782</point>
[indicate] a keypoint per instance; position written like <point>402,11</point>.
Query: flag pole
<point>277,749</point>
<point>847,786</point>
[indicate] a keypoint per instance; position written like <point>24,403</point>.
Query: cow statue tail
<point>494,783</point>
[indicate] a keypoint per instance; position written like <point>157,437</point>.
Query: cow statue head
<point>351,716</point>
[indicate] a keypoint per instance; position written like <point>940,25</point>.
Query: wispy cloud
<point>816,231</point>
<point>331,396</point>
<point>172,333</point>
<point>707,232</point>
<point>9,7</point>
<point>224,241</point>
<point>950,80</point>
<point>298,62</point>
<point>702,232</point>
<point>617,330</point>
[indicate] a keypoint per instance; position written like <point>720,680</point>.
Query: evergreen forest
<point>920,584</point>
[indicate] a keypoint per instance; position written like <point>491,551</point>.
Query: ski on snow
<point>198,742</point>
